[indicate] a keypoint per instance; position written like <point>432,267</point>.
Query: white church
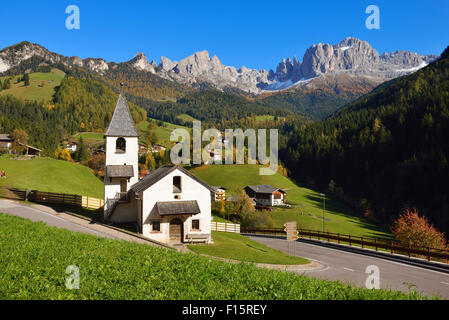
<point>169,205</point>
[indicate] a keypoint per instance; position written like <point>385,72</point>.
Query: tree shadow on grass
<point>339,209</point>
<point>93,215</point>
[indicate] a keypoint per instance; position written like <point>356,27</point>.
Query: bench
<point>198,237</point>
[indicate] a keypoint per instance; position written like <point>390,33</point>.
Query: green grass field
<point>220,219</point>
<point>47,174</point>
<point>35,91</point>
<point>163,132</point>
<point>237,247</point>
<point>91,139</point>
<point>265,117</point>
<point>185,117</point>
<point>307,205</point>
<point>89,136</point>
<point>34,258</point>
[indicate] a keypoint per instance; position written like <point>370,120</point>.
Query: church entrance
<point>176,230</point>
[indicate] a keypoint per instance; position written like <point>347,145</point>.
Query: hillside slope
<point>113,269</point>
<point>307,204</point>
<point>78,105</point>
<point>46,174</point>
<point>41,88</point>
<point>389,149</point>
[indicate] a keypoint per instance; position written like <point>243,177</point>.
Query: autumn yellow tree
<point>62,154</point>
<point>150,162</point>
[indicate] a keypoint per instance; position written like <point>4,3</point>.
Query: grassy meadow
<point>34,258</point>
<point>42,85</point>
<point>89,136</point>
<point>186,117</point>
<point>306,204</point>
<point>237,247</point>
<point>162,132</point>
<point>47,174</point>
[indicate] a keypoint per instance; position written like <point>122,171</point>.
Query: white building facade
<point>173,206</point>
<point>168,205</point>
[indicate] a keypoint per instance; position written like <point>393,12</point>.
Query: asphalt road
<point>338,264</point>
<point>35,214</point>
<point>351,267</point>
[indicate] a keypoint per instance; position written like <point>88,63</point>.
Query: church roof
<point>156,175</point>
<point>122,124</point>
<point>119,171</point>
<point>165,208</point>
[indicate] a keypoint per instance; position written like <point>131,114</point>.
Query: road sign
<point>290,229</point>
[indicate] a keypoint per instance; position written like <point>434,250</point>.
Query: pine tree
<point>81,154</point>
<point>7,84</point>
<point>26,79</point>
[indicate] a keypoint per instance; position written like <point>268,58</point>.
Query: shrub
<point>256,219</point>
<point>411,229</point>
<point>62,154</point>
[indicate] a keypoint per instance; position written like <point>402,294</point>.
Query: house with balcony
<point>219,193</point>
<point>264,195</point>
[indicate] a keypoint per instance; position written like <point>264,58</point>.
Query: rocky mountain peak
<point>140,62</point>
<point>351,58</point>
<point>166,64</point>
<point>12,56</point>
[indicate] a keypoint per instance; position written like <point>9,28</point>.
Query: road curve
<point>339,265</point>
<point>351,268</point>
<point>42,214</point>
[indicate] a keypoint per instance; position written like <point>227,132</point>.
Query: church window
<point>120,145</point>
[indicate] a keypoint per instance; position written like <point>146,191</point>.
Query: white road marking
<point>349,269</point>
<point>379,258</point>
<point>444,283</point>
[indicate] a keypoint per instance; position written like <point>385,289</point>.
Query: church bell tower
<point>122,169</point>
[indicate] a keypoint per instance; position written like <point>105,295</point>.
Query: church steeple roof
<point>122,124</point>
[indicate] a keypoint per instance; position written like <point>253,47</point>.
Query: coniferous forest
<point>78,105</point>
<point>386,151</point>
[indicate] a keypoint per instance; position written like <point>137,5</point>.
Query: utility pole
<point>324,210</point>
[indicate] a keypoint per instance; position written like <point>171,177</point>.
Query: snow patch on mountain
<point>422,65</point>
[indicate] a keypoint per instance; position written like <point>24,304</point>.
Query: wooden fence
<point>51,197</point>
<point>13,193</point>
<point>377,244</point>
<point>68,199</point>
<point>55,198</point>
<point>92,203</point>
<point>224,227</point>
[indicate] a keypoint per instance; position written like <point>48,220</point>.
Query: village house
<point>6,142</point>
<point>142,149</point>
<point>157,148</point>
<point>30,150</point>
<point>219,193</point>
<point>100,150</point>
<point>264,195</point>
<point>169,204</point>
<point>71,146</point>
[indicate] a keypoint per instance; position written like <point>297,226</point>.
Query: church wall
<point>163,191</point>
<point>126,212</point>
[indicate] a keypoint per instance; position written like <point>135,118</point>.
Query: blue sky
<point>257,34</point>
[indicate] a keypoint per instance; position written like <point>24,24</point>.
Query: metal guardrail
<point>392,246</point>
